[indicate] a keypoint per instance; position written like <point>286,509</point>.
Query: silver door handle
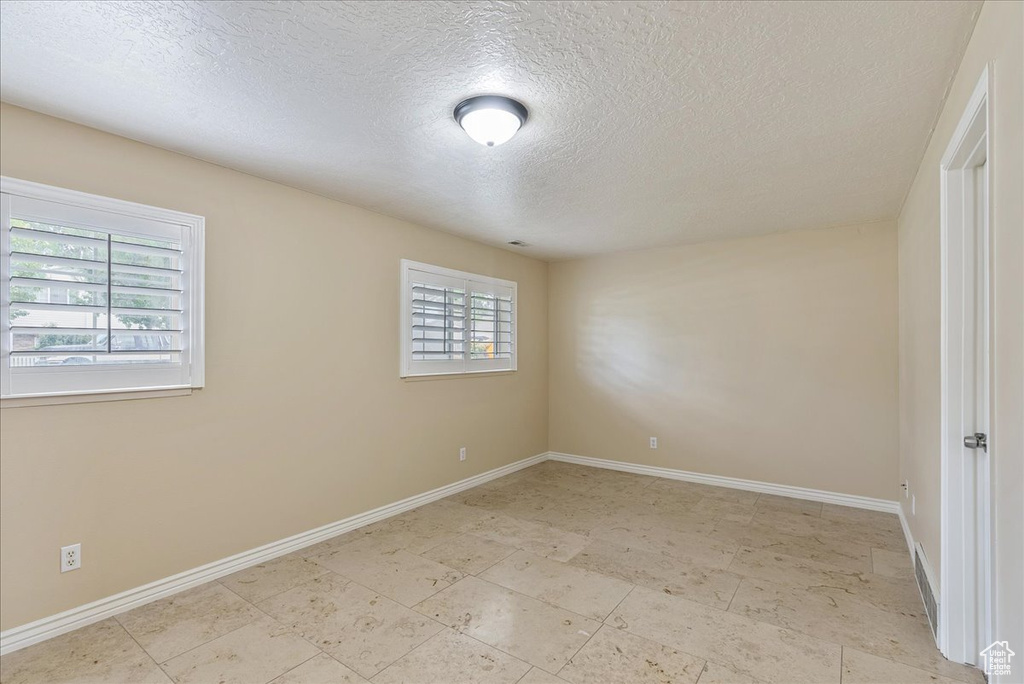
<point>979,440</point>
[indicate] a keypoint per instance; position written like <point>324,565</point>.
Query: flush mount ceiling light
<point>490,119</point>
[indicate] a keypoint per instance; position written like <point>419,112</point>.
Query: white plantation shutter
<point>98,295</point>
<point>436,322</point>
<point>491,321</point>
<point>455,322</point>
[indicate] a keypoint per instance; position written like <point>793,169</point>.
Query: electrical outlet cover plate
<point>654,442</point>
<point>462,454</point>
<point>70,557</point>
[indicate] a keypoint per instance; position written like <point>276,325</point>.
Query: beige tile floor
<point>555,574</point>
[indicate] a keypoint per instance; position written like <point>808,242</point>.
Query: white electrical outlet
<point>70,557</point>
<point>462,453</point>
<point>654,442</point>
<point>906,489</point>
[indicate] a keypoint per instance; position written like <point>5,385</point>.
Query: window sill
<point>451,376</point>
<point>122,395</point>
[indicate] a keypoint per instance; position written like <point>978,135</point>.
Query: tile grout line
<point>440,543</point>
<point>247,624</point>
<point>603,623</point>
<point>499,650</point>
<point>734,592</point>
<point>533,598</point>
<point>321,651</point>
<point>413,609</point>
<point>458,535</point>
<point>652,640</point>
<point>410,651</point>
<point>465,574</point>
<point>790,629</point>
<point>477,575</point>
<point>326,571</point>
<point>468,534</point>
<point>817,637</point>
<point>315,655</point>
<point>209,641</point>
<point>728,568</point>
<point>443,625</point>
<point>753,619</point>
<point>519,681</point>
<point>230,631</point>
<point>148,655</point>
<point>273,619</point>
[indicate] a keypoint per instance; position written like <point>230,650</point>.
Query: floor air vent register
<point>921,571</point>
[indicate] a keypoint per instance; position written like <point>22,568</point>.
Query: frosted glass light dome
<point>490,119</point>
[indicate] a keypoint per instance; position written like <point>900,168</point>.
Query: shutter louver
<point>438,322</point>
<point>84,297</point>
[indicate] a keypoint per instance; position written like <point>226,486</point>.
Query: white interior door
<point>965,607</point>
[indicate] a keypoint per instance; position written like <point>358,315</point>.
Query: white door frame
<point>966,604</point>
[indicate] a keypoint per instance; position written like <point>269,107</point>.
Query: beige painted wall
<point>769,358</point>
<point>282,439</point>
<point>998,39</point>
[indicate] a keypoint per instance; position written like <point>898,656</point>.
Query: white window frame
<point>78,383</point>
<point>409,367</point>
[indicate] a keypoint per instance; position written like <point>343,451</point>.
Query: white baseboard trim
<point>734,483</point>
<point>906,532</point>
<point>49,627</point>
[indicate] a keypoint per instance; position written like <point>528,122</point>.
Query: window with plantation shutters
<point>99,295</point>
<point>455,322</point>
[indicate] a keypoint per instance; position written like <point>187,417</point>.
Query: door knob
<point>979,440</point>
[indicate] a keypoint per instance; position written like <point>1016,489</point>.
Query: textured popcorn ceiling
<point>650,123</point>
